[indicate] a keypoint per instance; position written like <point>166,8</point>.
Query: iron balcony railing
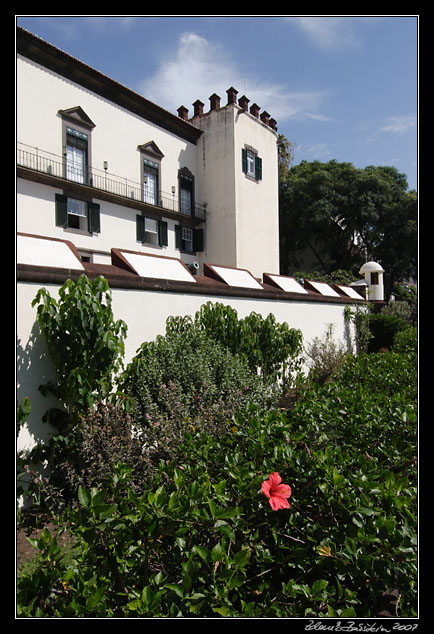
<point>42,161</point>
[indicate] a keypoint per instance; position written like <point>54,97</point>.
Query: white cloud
<point>395,125</point>
<point>326,32</point>
<point>198,68</point>
<point>315,151</point>
<point>399,125</point>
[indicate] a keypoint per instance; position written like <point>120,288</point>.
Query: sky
<point>339,87</point>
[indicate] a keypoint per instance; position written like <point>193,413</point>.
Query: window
<point>151,231</point>
<point>77,214</point>
<point>76,141</point>
<point>188,239</point>
<point>186,191</point>
<point>150,162</point>
<point>150,182</point>
<point>374,278</point>
<point>76,155</point>
<point>251,163</point>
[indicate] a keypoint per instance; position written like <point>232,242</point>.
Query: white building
<point>103,167</point>
<point>174,211</point>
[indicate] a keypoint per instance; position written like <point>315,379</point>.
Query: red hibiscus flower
<point>277,492</point>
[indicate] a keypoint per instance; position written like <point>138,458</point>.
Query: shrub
<point>384,327</point>
<point>269,348</point>
<point>326,356</point>
<point>84,342</point>
<point>186,380</point>
<point>405,341</point>
<point>203,540</point>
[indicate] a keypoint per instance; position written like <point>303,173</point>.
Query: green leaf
<point>203,552</point>
<point>104,510</point>
<point>176,589</point>
<point>217,553</point>
<point>242,557</point>
<point>83,496</point>
<point>319,586</point>
<point>94,599</point>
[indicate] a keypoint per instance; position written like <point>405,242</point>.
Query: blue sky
<point>339,87</point>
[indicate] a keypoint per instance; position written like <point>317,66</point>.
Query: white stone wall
<point>145,313</point>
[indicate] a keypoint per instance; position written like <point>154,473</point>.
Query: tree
<point>340,216</point>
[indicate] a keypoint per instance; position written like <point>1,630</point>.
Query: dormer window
<point>150,157</point>
<point>77,128</point>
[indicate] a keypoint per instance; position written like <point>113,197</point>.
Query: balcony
<point>45,163</point>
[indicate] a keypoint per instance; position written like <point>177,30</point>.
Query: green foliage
<point>268,347</point>
<point>360,317</point>
<point>339,276</point>
<point>338,213</point>
<point>384,327</point>
<point>406,341</point>
<point>203,541</point>
<point>326,355</point>
<point>84,342</point>
<point>185,380</point>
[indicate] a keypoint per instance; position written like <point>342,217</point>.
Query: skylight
<point>41,252</point>
<point>158,267</point>
<point>237,277</point>
<point>324,289</point>
<point>351,292</point>
<point>288,284</point>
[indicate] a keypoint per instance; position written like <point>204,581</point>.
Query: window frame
<point>79,122</point>
<point>197,242</point>
<point>186,184</point>
<point>161,234</point>
<point>251,163</point>
<point>92,211</point>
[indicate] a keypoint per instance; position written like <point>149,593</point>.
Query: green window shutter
<point>198,240</point>
<point>258,168</point>
<point>140,228</point>
<point>93,220</point>
<point>244,160</point>
<point>61,211</point>
<point>178,238</point>
<point>162,233</point>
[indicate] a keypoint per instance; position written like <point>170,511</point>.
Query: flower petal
<point>282,490</point>
<point>274,479</point>
<point>266,488</point>
<point>278,502</point>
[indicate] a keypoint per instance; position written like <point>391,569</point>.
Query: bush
<point>406,341</point>
<point>185,380</point>
<point>203,540</point>
<point>326,357</point>
<point>384,328</point>
<point>85,343</point>
<point>269,348</point>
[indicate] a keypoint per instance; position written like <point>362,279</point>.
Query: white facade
<point>242,219</point>
<point>102,173</point>
<point>113,156</point>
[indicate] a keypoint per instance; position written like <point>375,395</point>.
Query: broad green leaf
<point>217,553</point>
<point>203,552</point>
<point>83,496</point>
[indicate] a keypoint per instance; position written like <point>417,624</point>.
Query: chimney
<point>214,102</point>
<point>265,118</point>
<point>183,113</point>
<point>254,110</point>
<point>243,102</point>
<point>198,108</point>
<point>232,95</point>
<point>273,124</point>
